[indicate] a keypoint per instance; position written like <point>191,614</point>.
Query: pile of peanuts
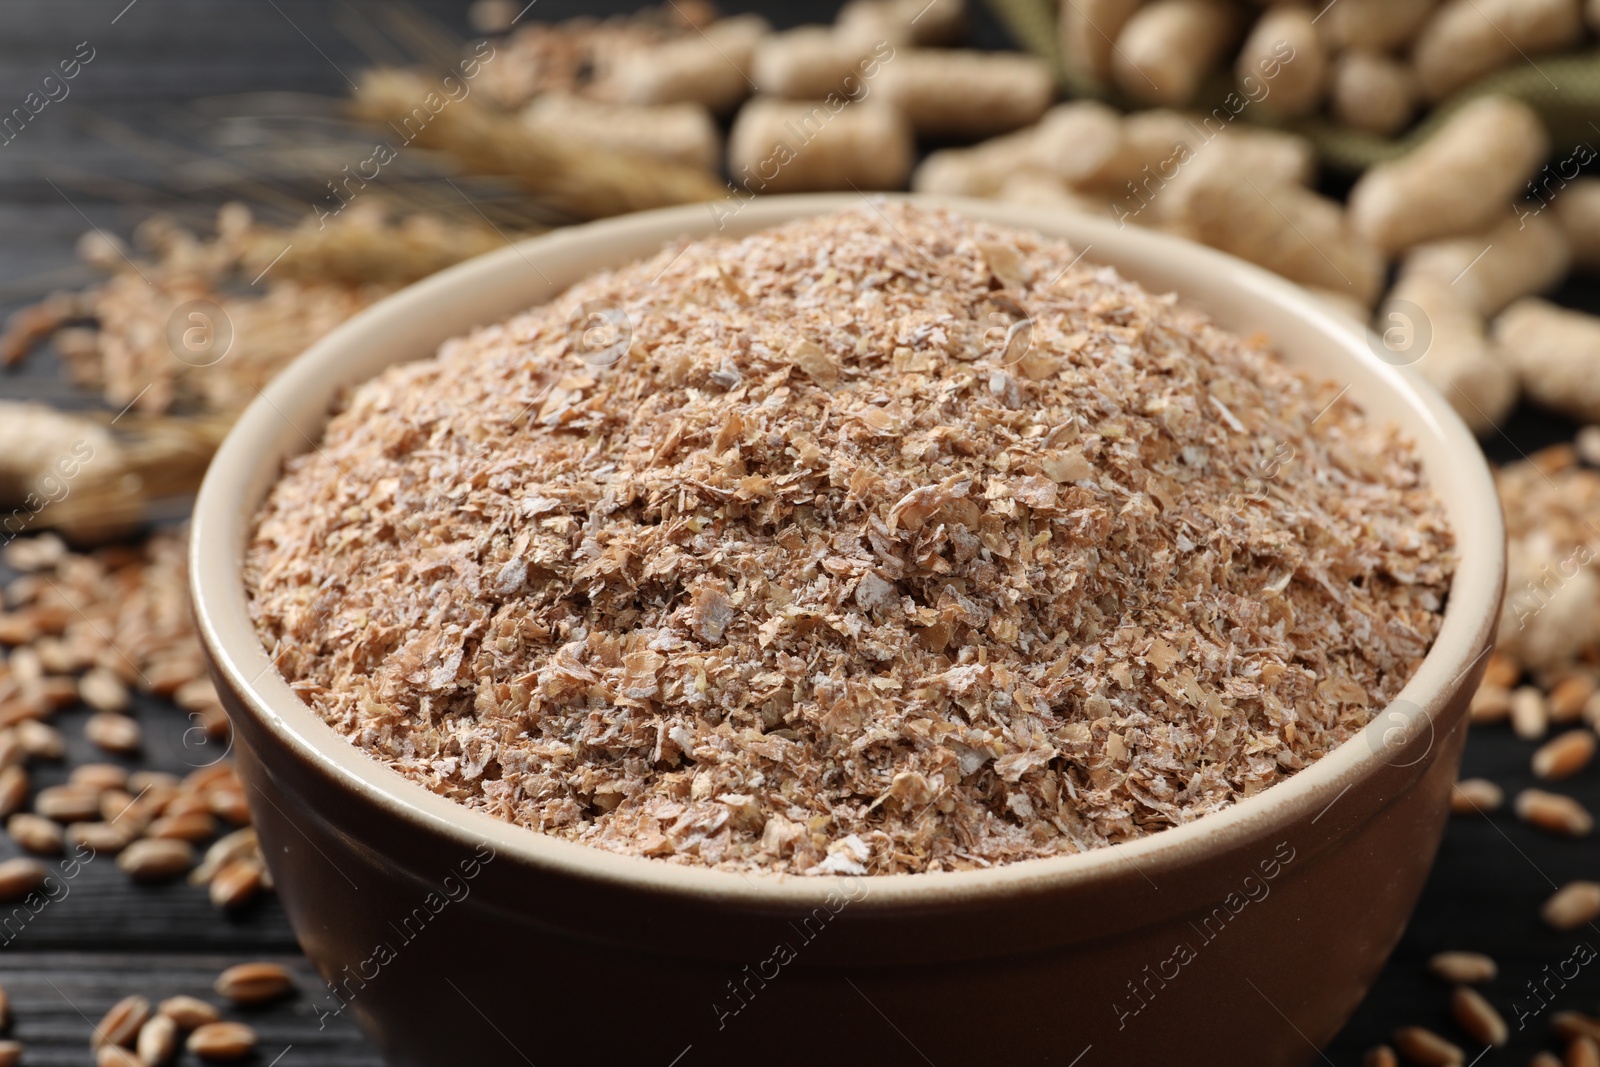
<point>89,628</point>
<point>1369,64</point>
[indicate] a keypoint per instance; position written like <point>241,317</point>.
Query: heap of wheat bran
<point>832,562</point>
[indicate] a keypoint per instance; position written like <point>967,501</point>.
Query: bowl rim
<point>222,515</point>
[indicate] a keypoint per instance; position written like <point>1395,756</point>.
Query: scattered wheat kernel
<point>1530,715</point>
<point>41,740</point>
<point>35,833</point>
<point>1382,1056</point>
<point>1554,813</point>
<point>236,884</point>
<point>1490,704</point>
<point>120,1025</point>
<point>99,776</point>
<point>1569,696</point>
<point>156,859</point>
<point>1462,968</point>
<point>68,803</point>
<point>1545,1059</point>
<point>114,732</point>
<point>1501,670</point>
<point>1583,1052</point>
<point>1478,1017</point>
<point>1571,1024</point>
<point>255,983</point>
<point>98,837</point>
<point>193,826</point>
<point>13,791</point>
<point>103,691</point>
<point>10,1053</point>
<point>188,1012</point>
<point>1564,755</point>
<point>116,1056</point>
<point>222,1041</point>
<point>158,1040</point>
<point>1573,905</point>
<point>1475,796</point>
<point>1423,1046</point>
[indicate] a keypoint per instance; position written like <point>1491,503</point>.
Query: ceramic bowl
<point>1245,937</point>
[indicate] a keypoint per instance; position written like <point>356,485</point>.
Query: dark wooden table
<point>159,68</point>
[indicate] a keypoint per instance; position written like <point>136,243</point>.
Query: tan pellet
<point>1545,1059</point>
<point>188,1012</point>
<point>796,146</point>
<point>1530,714</point>
<point>1423,1046</point>
<point>1553,347</point>
<point>1374,25</point>
<point>1167,47</point>
<point>113,732</point>
<point>960,93</point>
<point>684,133</point>
<point>35,833</point>
<point>809,62</point>
<point>710,68</point>
<point>1577,209</point>
<point>1460,361</point>
<point>1089,30</point>
<point>1298,82</point>
<point>255,983</point>
<point>10,1053</point>
<point>1478,1017</point>
<point>156,859</point>
<point>1373,92</point>
<point>1458,181</point>
<point>20,876</point>
<point>1564,755</point>
<point>120,1025</point>
<point>1466,39</point>
<point>158,1040</point>
<point>1583,1052</point>
<point>1573,905</point>
<point>222,1041</point>
<point>1554,813</point>
<point>1517,258</point>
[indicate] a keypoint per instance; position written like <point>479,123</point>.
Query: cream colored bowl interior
<point>288,418</point>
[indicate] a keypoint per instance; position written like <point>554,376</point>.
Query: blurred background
<point>191,192</point>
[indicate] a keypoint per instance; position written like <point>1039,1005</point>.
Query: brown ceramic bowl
<point>1244,938</point>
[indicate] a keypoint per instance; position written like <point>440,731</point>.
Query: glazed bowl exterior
<point>1245,937</point>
